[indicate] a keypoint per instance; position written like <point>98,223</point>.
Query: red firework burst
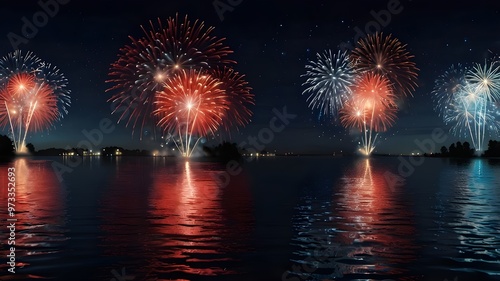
<point>30,105</point>
<point>20,83</point>
<point>353,114</point>
<point>373,90</point>
<point>192,103</point>
<point>238,93</point>
<point>372,105</point>
<point>143,66</point>
<point>388,57</point>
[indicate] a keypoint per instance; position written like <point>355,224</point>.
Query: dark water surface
<point>295,218</point>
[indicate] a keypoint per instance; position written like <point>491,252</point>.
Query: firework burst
<point>485,82</point>
<point>33,95</point>
<point>486,79</point>
<point>165,49</point>
<point>471,114</point>
<point>371,109</point>
<point>363,87</point>
<point>447,87</point>
<point>388,57</point>
<point>191,105</point>
<point>466,99</point>
<point>354,114</point>
<point>238,93</point>
<point>328,82</point>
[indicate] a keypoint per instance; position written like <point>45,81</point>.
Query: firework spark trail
<point>465,113</point>
<point>486,80</point>
<point>33,95</point>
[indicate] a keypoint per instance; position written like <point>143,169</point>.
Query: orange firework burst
<point>388,57</point>
<point>191,104</point>
<point>370,109</point>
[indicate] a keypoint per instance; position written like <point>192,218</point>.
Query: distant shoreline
<point>262,156</point>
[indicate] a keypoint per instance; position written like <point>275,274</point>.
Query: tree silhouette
<point>493,149</point>
<point>467,150</point>
<point>6,147</point>
<point>458,149</point>
<point>31,148</point>
<point>224,152</point>
<point>444,150</point>
<point>452,150</point>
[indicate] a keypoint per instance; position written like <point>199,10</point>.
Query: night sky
<point>272,41</point>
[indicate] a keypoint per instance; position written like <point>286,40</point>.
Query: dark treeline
<point>51,152</point>
<point>464,150</point>
<point>7,150</point>
<point>225,151</point>
<point>493,149</point>
<point>458,149</point>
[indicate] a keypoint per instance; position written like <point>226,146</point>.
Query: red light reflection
<point>375,221</point>
<point>39,208</point>
<point>178,218</point>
